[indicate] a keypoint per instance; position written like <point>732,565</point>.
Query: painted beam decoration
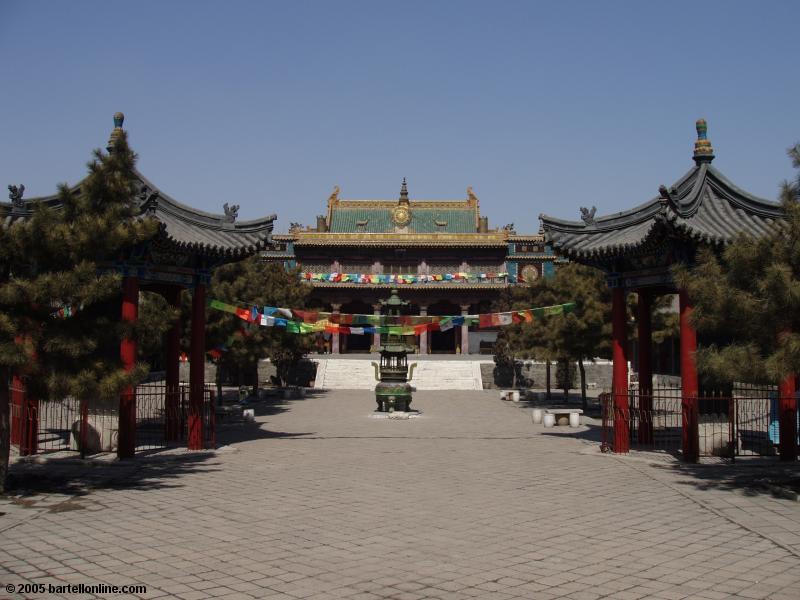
<point>401,279</point>
<point>304,322</point>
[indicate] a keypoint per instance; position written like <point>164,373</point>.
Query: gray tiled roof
<point>209,233</point>
<point>189,228</point>
<point>703,205</point>
<point>443,217</point>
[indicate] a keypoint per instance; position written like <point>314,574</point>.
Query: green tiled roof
<point>423,220</point>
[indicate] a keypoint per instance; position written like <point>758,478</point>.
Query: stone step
<point>358,374</point>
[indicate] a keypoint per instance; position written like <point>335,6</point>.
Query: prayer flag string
<point>305,322</point>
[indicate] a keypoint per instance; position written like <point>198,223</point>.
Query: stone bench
<point>560,416</point>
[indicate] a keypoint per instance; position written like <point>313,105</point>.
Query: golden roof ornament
<point>703,151</point>
<point>401,214</point>
<point>119,119</point>
<point>334,197</point>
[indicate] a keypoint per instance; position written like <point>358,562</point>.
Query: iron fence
<point>40,426</point>
<point>743,422</point>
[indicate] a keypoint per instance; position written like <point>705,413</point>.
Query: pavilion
<point>189,245</point>
<point>637,248</point>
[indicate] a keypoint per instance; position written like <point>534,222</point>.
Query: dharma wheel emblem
<point>529,274</point>
<point>401,216</point>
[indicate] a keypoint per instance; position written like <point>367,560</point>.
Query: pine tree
<point>747,301</point>
<point>60,299</point>
<point>254,283</point>
<point>580,335</point>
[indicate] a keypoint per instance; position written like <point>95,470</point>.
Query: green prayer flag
<point>216,304</point>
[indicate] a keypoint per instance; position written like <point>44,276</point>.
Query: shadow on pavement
<point>591,433</point>
<point>246,431</point>
<point>760,477</point>
<point>73,476</point>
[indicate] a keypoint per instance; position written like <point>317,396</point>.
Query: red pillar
<point>787,418</point>
<point>619,343</point>
<point>172,348</point>
<point>24,417</point>
<point>126,439</point>
<point>644,323</point>
<point>197,367</point>
<point>689,385</point>
<point>17,409</point>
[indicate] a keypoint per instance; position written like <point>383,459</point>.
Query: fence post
<point>212,418</point>
<point>787,419</point>
<point>84,427</point>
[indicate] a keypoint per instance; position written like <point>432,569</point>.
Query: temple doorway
<point>356,344</point>
<point>444,342</point>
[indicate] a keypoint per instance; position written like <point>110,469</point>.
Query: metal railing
<point>41,426</point>
<point>742,423</point>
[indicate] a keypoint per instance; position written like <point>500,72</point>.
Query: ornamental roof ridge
<point>370,203</point>
<point>183,225</point>
<point>167,203</point>
<point>702,205</point>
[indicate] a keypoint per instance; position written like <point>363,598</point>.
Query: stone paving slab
<point>471,500</point>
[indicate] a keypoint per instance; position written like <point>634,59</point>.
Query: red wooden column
<point>197,368</point>
<point>172,349</point>
<point>126,437</point>
<point>17,409</point>
<point>619,344</point>
<point>787,418</point>
<point>689,384</point>
<point>644,322</point>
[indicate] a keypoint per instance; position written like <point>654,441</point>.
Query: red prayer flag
<point>485,320</point>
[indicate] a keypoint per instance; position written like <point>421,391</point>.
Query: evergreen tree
<point>580,335</point>
<point>60,297</point>
<point>253,282</point>
<point>747,301</point>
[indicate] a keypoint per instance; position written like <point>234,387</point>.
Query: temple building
<point>441,254</point>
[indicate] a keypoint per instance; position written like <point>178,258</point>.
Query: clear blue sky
<point>541,107</point>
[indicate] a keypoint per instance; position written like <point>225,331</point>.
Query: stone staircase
<point>358,374</point>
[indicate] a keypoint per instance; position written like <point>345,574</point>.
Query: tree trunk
<point>5,426</point>
<point>513,373</point>
<point>584,401</point>
<point>254,378</point>
<point>547,377</point>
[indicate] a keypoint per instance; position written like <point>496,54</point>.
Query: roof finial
<point>703,152</point>
<point>404,192</point>
<point>119,119</point>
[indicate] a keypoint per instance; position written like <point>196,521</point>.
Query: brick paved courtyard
<point>472,500</point>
